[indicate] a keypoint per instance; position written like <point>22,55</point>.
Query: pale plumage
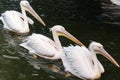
<point>46,47</point>
<point>36,44</point>
<point>18,22</point>
<point>83,62</point>
<point>10,20</point>
<point>116,2</point>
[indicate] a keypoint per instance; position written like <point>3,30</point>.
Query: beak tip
<point>44,25</point>
<point>118,65</point>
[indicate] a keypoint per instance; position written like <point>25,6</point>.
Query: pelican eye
<point>100,47</point>
<point>26,4</point>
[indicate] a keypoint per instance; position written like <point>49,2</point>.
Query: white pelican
<point>18,22</point>
<point>116,2</point>
<point>83,62</point>
<point>45,47</point>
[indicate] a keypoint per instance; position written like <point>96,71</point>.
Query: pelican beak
<point>69,36</point>
<point>32,11</point>
<point>103,52</point>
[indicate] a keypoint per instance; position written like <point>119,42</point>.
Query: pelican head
<point>26,6</point>
<point>98,48</point>
<point>60,30</point>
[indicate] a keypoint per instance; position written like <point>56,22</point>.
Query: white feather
<point>13,21</point>
<point>116,2</point>
<point>73,61</point>
<point>35,43</point>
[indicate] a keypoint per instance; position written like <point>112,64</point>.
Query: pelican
<point>83,62</point>
<point>18,22</point>
<point>116,2</point>
<point>43,46</point>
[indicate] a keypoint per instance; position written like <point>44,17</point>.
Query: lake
<point>80,18</point>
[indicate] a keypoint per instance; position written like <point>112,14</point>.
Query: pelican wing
<point>13,20</point>
<point>116,2</point>
<point>40,45</point>
<point>76,62</point>
<point>8,18</point>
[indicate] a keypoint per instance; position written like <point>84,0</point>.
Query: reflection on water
<point>17,64</point>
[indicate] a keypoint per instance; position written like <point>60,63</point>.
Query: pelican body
<point>18,22</point>
<point>116,2</point>
<point>45,47</point>
<point>83,62</point>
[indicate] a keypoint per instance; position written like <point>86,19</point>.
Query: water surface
<point>79,20</point>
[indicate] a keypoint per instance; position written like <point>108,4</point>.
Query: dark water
<point>79,18</point>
